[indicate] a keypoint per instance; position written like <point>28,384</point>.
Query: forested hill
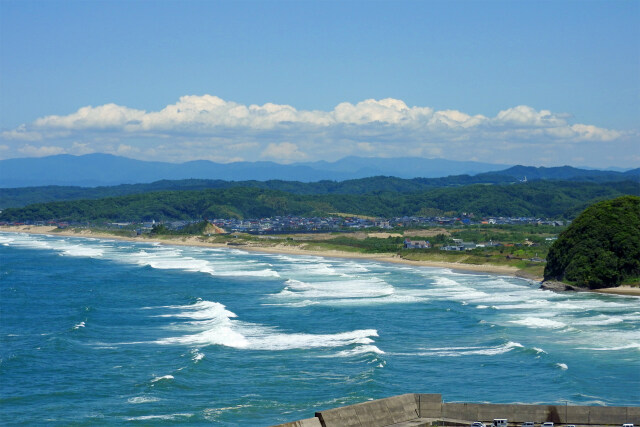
<point>533,199</point>
<point>601,248</point>
<point>18,197</point>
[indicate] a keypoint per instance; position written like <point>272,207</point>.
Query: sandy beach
<point>620,290</point>
<point>296,250</point>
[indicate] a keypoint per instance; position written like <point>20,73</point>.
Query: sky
<point>541,83</point>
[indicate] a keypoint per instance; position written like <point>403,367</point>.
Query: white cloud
<point>207,114</point>
<point>21,134</point>
<point>592,133</point>
<point>366,146</point>
<point>79,148</point>
<point>525,116</point>
<point>32,151</point>
<point>103,117</point>
<point>124,150</point>
<point>206,127</point>
<point>284,152</point>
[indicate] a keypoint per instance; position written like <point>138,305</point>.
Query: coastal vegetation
<point>601,248</point>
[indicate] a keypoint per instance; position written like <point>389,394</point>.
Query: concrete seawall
<point>420,409</point>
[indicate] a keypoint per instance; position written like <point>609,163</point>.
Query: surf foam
<point>220,327</point>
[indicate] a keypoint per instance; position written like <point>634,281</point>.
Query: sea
<point>97,331</point>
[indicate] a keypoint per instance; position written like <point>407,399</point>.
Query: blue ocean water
<point>111,332</point>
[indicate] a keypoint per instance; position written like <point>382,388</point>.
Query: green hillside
<point>535,199</point>
<point>19,197</point>
<point>601,248</point>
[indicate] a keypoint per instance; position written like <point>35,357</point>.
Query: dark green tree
<point>601,248</point>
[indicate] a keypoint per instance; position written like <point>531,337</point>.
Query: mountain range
<point>23,196</point>
<point>93,170</point>
<point>97,169</point>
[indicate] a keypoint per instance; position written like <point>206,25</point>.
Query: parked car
<point>500,422</point>
<point>627,425</point>
<point>547,424</point>
<point>478,424</point>
<point>528,424</point>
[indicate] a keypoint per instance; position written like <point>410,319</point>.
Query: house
<point>382,223</point>
<point>467,246</point>
<point>416,244</point>
<point>452,248</point>
<point>459,245</point>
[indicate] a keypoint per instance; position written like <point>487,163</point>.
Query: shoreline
<point>289,250</point>
<point>278,249</point>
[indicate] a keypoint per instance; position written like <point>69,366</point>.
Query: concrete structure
<point>418,410</point>
<point>416,244</point>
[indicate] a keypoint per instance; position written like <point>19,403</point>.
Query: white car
<point>478,424</point>
<point>547,424</point>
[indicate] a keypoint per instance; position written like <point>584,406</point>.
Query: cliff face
<point>601,248</point>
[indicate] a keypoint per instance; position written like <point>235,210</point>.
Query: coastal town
<point>297,224</point>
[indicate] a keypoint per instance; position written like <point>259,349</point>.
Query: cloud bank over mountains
<point>208,127</point>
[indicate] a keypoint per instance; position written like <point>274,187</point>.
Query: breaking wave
<point>537,322</point>
<point>218,326</point>
<point>469,351</point>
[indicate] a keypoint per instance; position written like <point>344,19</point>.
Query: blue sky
<point>540,83</point>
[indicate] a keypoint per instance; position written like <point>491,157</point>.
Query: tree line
<point>545,199</point>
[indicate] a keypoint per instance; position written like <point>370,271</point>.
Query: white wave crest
<point>218,327</point>
<point>142,399</point>
<point>163,378</point>
<point>203,310</point>
<point>153,255</point>
<point>599,320</point>
<point>62,246</point>
<point>5,239</point>
<point>469,351</point>
<point>196,355</point>
<point>537,322</point>
<point>81,251</point>
<point>267,272</point>
<point>372,287</point>
<point>174,259</point>
<point>171,259</point>
<point>303,303</point>
<point>281,341</point>
<point>633,346</point>
<point>562,366</point>
<point>159,417</point>
<point>361,349</point>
